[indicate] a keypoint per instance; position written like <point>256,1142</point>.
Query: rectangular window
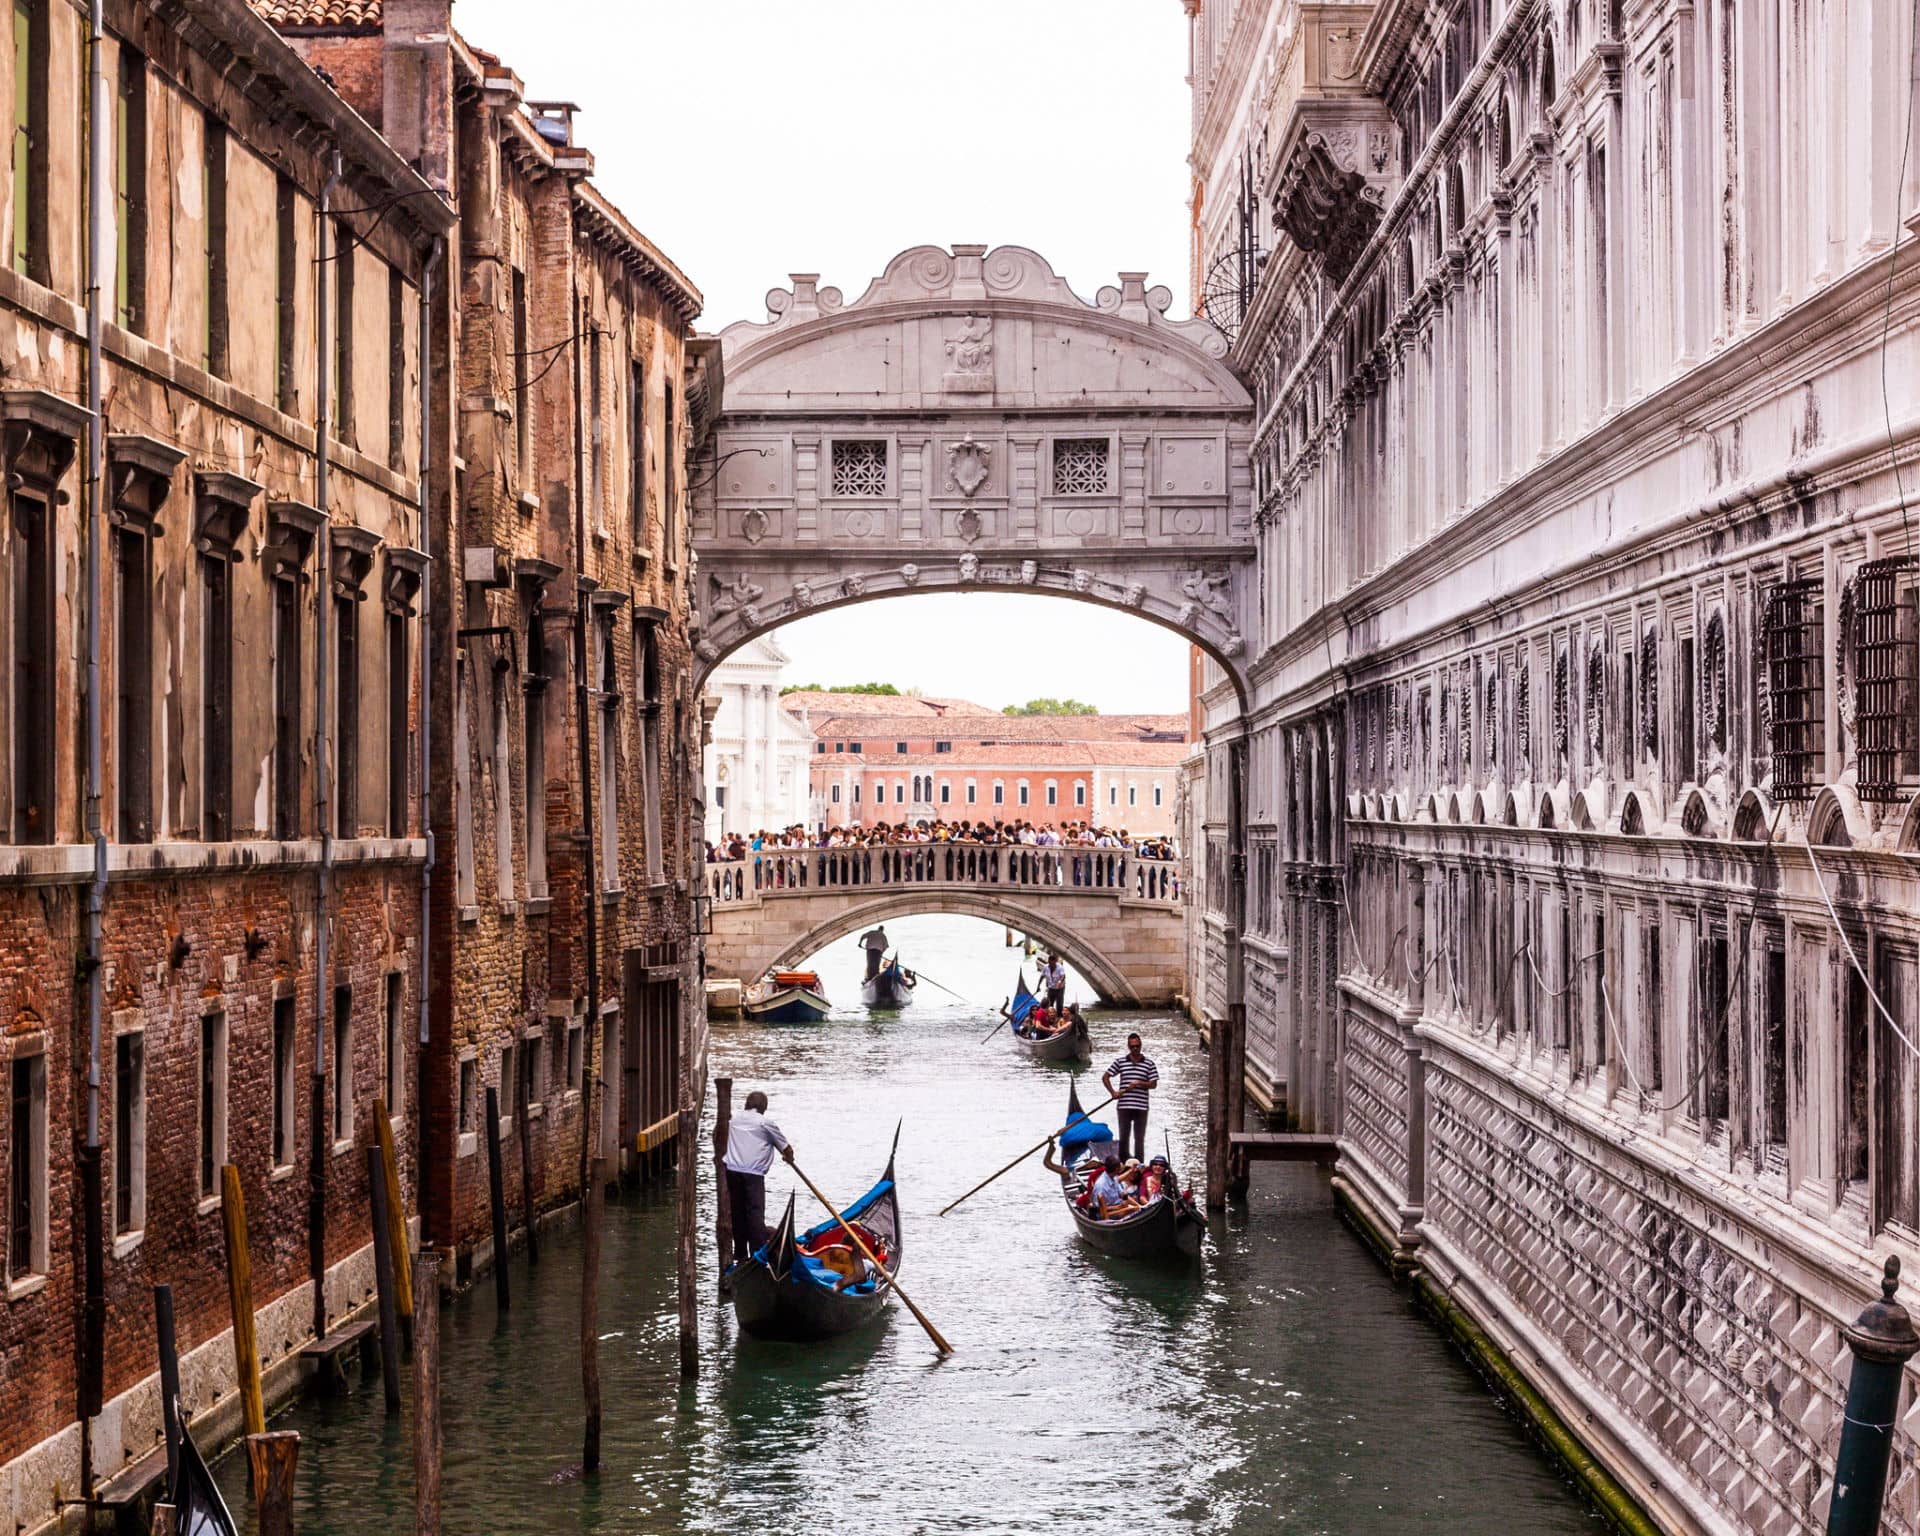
<point>393,1045</point>
<point>999,793</point>
<point>396,370</point>
<point>1157,795</point>
<point>130,190</point>
<point>1080,466</point>
<point>1652,1007</point>
<point>533,722</point>
<point>213,1102</point>
<point>214,340</point>
<point>973,792</point>
<point>342,1063</point>
<point>1686,728</point>
<point>28,245</point>
<point>346,716</point>
<point>1715,1030</point>
<point>399,737</point>
<point>1884,675</point>
<point>637,453</point>
<point>287,678</point>
<point>133,684</point>
<point>609,764</point>
<point>27,1168</point>
<point>900,746</point>
<point>216,697</point>
<point>1113,794</point>
<point>943,746</point>
<point>284,1042</point>
<point>859,467</point>
<point>343,254</point>
<point>646,647</point>
<point>596,431</point>
<point>576,1036</point>
<point>463,872</point>
<point>946,792</point>
<point>670,461</point>
<point>532,1082</point>
<point>502,793</point>
<point>1023,791</point>
<point>468,1078</point>
<point>1773,1045</point>
<point>1795,635</point>
<point>1053,793</point>
<point>1133,794</point>
<point>522,385</point>
<point>286,314</point>
<point>1079,793</point>
<point>129,1133</point>
<point>505,1087</point>
<point>32,723</point>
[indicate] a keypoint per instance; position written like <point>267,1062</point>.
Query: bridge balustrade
<point>774,872</point>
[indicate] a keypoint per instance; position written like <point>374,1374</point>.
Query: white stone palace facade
<point>1578,802</point>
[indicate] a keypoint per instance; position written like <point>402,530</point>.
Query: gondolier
<point>874,942</point>
<point>752,1139</point>
<point>1129,1080</point>
<point>1053,977</point>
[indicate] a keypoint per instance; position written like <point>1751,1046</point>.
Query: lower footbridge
<point>1112,913</point>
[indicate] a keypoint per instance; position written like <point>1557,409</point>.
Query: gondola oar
<point>923,976</point>
<point>1084,1114</point>
<point>846,1226</point>
<point>1006,1021</point>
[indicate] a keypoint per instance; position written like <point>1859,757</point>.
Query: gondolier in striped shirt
<point>752,1139</point>
<point>1130,1079</point>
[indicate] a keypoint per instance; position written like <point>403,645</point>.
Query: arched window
<point>1547,87</point>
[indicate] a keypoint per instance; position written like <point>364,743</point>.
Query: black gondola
<point>1167,1227</point>
<point>889,987</point>
<point>1074,1043</point>
<point>198,1509</point>
<point>785,1292</point>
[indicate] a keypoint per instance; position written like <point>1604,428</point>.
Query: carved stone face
<point>1082,581</point>
<point>969,567</point>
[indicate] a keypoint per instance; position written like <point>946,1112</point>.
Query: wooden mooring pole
<point>722,1205</point>
<point>497,1198</point>
<point>426,1395</point>
<point>246,1352</point>
<point>273,1457</point>
<point>523,1117</point>
<point>384,1283</point>
<point>396,1221</point>
<point>595,1197</point>
<point>169,1350</point>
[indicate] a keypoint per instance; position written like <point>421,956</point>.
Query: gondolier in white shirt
<point>752,1139</point>
<point>1053,975</point>
<point>1130,1079</point>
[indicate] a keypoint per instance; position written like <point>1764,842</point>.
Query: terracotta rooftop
<point>320,13</point>
<point>990,726</point>
<point>820,701</point>
<point>1014,754</point>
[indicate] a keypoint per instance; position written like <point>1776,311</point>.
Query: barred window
<point>1713,682</point>
<point>859,467</point>
<point>1796,688</point>
<point>1523,716</point>
<point>1883,643</point>
<point>1080,466</point>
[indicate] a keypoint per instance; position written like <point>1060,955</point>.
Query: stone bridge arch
<point>969,423</point>
<point>1130,958</point>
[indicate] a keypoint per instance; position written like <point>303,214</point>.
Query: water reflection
<point>1280,1385</point>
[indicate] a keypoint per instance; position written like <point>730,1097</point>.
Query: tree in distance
<point>881,688</point>
<point>1050,707</point>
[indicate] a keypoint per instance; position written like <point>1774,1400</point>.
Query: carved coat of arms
<point>967,464</point>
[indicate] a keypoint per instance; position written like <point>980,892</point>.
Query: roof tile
<point>320,13</point>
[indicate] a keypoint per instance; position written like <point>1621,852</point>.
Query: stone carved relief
<point>1029,572</point>
<point>1343,45</point>
<point>969,567</point>
<point>970,349</point>
<point>853,585</point>
<point>753,525</point>
<point>969,525</point>
<point>967,471</point>
<point>803,594</point>
<point>910,574</point>
<point>1134,595</point>
<point>1082,581</point>
<point>725,596</point>
<point>1213,593</point>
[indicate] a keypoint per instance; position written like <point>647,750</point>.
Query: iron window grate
<point>1883,655</point>
<point>1796,688</point>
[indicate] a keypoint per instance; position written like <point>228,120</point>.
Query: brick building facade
<point>392,437</point>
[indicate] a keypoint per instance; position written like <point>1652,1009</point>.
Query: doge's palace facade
<point>1582,894</point>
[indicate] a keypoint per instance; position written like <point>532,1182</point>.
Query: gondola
<point>1074,1044</point>
<point>889,987</point>
<point>785,1292</point>
<point>787,997</point>
<point>1167,1228</point>
<point>198,1509</point>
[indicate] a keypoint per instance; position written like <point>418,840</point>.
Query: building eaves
<point>232,33</point>
<point>652,263</point>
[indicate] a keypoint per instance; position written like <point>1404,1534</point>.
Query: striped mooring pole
<point>1883,1341</point>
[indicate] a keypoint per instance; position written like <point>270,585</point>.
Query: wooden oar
<point>846,1226</point>
<point>1006,1022</point>
<point>923,976</point>
<point>1077,1119</point>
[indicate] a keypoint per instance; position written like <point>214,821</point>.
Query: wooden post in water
<point>273,1456</point>
<point>1219,1054</point>
<point>497,1197</point>
<point>1239,1170</point>
<point>426,1395</point>
<point>686,1164</point>
<point>163,1520</point>
<point>383,1277</point>
<point>246,1353</point>
<point>722,1205</point>
<point>523,1116</point>
<point>169,1378</point>
<point>396,1221</point>
<point>594,1195</point>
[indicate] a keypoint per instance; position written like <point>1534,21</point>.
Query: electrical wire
<point>1854,959</point>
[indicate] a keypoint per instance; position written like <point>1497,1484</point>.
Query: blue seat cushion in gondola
<point>1085,1134</point>
<point>821,1275</point>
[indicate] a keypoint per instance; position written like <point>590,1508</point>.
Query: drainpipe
<point>100,174</point>
<point>317,1138</point>
<point>423,798</point>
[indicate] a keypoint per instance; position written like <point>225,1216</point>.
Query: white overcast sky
<point>754,138</point>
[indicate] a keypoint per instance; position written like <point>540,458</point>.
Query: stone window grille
<point>1080,466</point>
<point>1523,717</point>
<point>859,466</point>
<point>1796,687</point>
<point>1650,694</point>
<point>1883,642</point>
<point>1562,712</point>
<point>1713,682</point>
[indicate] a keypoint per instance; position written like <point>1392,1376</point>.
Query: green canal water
<point>1280,1385</point>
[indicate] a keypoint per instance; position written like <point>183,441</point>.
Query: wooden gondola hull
<point>1069,1045</point>
<point>798,1310</point>
<point>890,989</point>
<point>1162,1231</point>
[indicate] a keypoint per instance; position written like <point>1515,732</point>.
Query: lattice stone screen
<point>859,467</point>
<point>1080,466</point>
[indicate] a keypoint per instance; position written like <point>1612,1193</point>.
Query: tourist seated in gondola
<point>1110,1196</point>
<point>849,1265</point>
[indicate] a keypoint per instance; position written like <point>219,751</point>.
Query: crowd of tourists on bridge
<point>1073,834</point>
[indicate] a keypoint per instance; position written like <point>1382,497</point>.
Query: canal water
<point>1280,1385</point>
